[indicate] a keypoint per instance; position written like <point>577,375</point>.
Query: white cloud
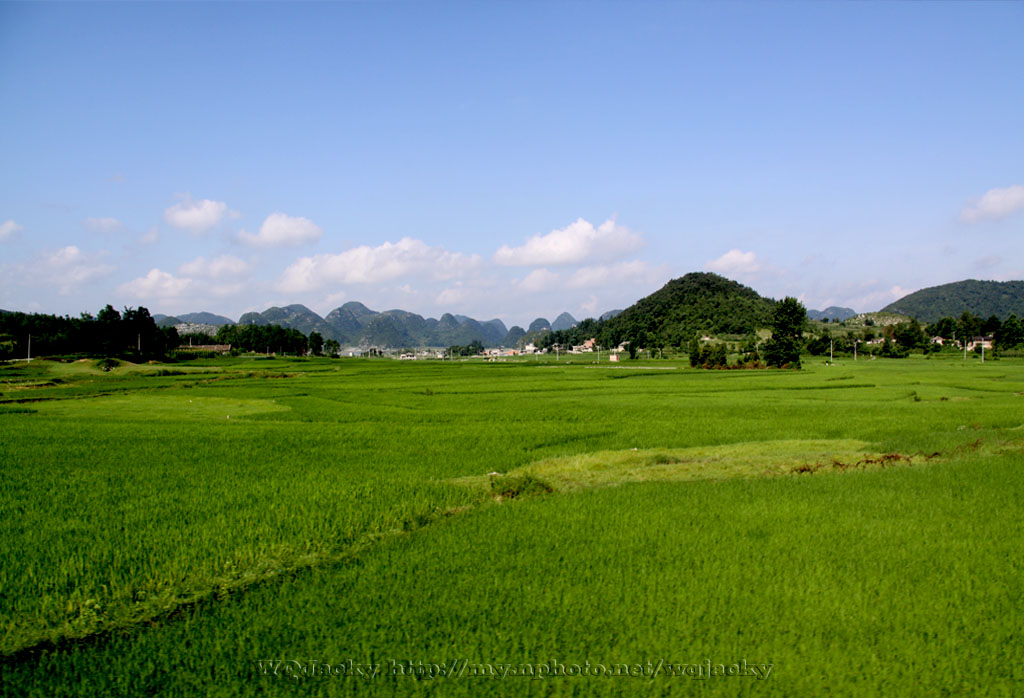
<point>623,272</point>
<point>8,228</point>
<point>216,268</point>
<point>66,268</point>
<point>157,285</point>
<point>195,216</point>
<point>104,225</point>
<point>734,262</point>
<point>539,280</point>
<point>994,204</point>
<point>577,243</point>
<point>279,230</point>
<point>368,265</point>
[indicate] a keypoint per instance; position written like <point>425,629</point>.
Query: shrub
<point>512,486</point>
<point>108,364</point>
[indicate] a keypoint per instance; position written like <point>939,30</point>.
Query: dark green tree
<point>969,325</point>
<point>109,336</point>
<point>909,335</point>
<point>316,343</point>
<point>788,320</point>
<point>945,328</point>
<point>1010,334</point>
<point>694,349</point>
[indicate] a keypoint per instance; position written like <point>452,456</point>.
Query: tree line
<point>134,334</point>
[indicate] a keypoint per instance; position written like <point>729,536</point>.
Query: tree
<point>1010,334</point>
<point>332,348</point>
<point>816,346</point>
<point>945,328</point>
<point>316,343</point>
<point>787,323</point>
<point>108,326</point>
<point>992,325</point>
<point>909,335</point>
<point>140,331</point>
<point>968,326</point>
<point>694,350</point>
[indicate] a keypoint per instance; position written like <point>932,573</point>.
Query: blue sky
<point>510,159</point>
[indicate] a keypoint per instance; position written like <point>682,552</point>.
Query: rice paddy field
<point>273,527</point>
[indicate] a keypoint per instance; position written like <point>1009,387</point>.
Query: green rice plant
<point>178,518</point>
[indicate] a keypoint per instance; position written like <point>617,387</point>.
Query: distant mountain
<point>699,302</point>
<point>608,315</point>
<point>565,321</point>
<point>359,311</point>
<point>982,298</point>
<point>253,319</point>
<point>511,339</point>
<point>205,318</point>
<point>832,313</point>
<point>355,324</point>
<point>348,321</point>
<point>385,330</point>
<point>538,325</point>
<point>498,326</point>
<point>166,320</point>
<point>297,317</point>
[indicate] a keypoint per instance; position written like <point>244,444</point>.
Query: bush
<point>512,486</point>
<point>108,364</point>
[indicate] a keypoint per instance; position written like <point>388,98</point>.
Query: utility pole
<point>29,349</point>
<point>831,345</point>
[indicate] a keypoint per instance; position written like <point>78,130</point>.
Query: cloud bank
<point>577,243</point>
<point>369,265</point>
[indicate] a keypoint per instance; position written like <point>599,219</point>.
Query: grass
<point>209,515</point>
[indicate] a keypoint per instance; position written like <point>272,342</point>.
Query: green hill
<point>698,302</point>
<point>982,298</point>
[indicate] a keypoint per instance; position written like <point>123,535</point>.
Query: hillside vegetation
<point>982,298</point>
<point>695,303</point>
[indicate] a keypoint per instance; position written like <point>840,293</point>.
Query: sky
<point>506,160</point>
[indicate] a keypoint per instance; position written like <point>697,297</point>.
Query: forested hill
<point>981,298</point>
<point>698,302</point>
